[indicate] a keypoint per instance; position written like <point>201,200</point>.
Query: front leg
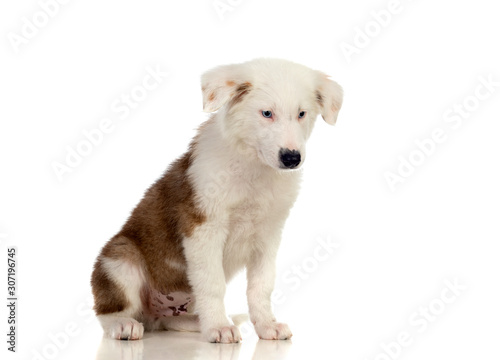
<point>204,250</point>
<point>261,272</point>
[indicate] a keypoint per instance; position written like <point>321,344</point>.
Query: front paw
<point>225,334</point>
<point>273,331</point>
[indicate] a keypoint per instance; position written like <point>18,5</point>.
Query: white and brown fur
<point>219,208</point>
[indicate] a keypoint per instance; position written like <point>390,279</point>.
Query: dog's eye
<point>267,113</point>
<point>302,114</point>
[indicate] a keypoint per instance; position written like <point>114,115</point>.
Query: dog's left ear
<point>223,84</point>
<point>329,96</point>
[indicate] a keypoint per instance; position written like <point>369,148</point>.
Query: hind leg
<point>116,285</point>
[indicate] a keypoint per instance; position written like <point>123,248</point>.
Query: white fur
<point>130,279</point>
<point>239,184</point>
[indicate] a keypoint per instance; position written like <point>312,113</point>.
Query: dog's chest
<point>257,207</point>
<point>251,200</point>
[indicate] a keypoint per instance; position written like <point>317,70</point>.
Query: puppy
<point>217,209</point>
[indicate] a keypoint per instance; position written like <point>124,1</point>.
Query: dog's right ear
<point>223,84</point>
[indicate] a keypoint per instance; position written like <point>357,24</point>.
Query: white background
<point>397,247</point>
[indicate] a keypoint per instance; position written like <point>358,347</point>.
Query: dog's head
<point>269,106</point>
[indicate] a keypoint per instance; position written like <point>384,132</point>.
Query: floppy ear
<point>329,96</point>
<point>223,84</point>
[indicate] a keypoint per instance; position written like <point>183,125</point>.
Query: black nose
<point>289,158</point>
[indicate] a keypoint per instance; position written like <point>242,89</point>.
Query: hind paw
<point>122,328</point>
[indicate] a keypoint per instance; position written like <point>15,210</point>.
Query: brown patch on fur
<point>166,215</point>
<point>120,247</point>
<point>241,90</point>
<point>211,97</point>
<point>151,237</point>
<point>230,83</point>
<point>319,98</point>
<point>108,297</point>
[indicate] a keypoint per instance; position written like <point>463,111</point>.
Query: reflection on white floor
<point>184,345</point>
